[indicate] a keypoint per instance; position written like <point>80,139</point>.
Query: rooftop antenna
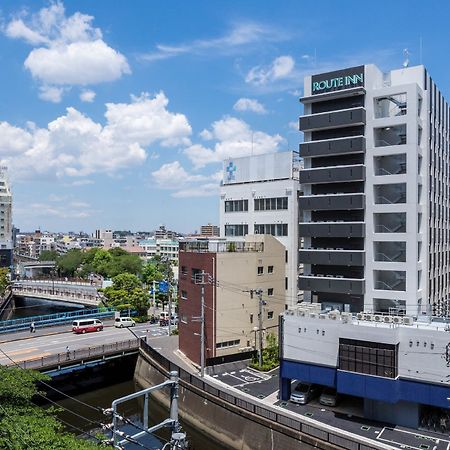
<point>420,50</point>
<point>406,55</point>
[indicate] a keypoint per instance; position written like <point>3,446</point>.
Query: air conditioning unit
<point>360,316</point>
<point>332,316</point>
<point>378,318</point>
<point>368,317</point>
<point>289,312</point>
<point>387,319</point>
<point>346,317</point>
<point>246,349</point>
<point>408,320</point>
<point>322,316</point>
<point>313,315</point>
<point>397,319</point>
<point>301,313</point>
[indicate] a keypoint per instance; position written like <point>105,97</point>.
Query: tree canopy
<point>107,263</point>
<point>4,280</point>
<point>25,426</point>
<point>127,292</point>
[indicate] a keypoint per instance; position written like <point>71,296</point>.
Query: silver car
<point>329,397</point>
<point>303,393</point>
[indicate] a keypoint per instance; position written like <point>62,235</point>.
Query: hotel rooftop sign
<point>338,80</point>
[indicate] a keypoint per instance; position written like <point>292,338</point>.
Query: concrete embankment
<point>224,422</point>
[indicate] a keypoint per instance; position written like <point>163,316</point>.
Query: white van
<point>87,325</point>
<point>122,322</point>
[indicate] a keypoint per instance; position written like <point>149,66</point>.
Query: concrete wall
<point>225,423</point>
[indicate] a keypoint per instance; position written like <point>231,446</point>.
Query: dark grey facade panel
<point>332,257</point>
<point>331,230</point>
<point>336,119</point>
<point>325,284</point>
<point>332,174</point>
<point>333,147</point>
<point>345,201</point>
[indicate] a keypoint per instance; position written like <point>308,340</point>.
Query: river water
<point>27,307</point>
<point>80,418</point>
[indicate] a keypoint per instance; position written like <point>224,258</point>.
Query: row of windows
<point>261,270</point>
<point>228,343</point>
<point>236,205</point>
<point>275,229</point>
<point>271,204</point>
<point>236,230</point>
<point>260,204</point>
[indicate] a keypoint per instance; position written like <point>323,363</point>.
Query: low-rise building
<point>231,271</point>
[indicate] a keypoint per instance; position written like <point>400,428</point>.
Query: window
<point>184,295</point>
<point>270,269</point>
<point>260,270</point>
<point>270,315</point>
<point>194,274</point>
<point>236,205</point>
<point>275,229</point>
<point>370,358</point>
<point>236,230</point>
<point>393,135</point>
<point>183,270</point>
<point>270,204</point>
<point>286,284</point>
<point>270,292</point>
<point>228,343</point>
<point>286,256</point>
<point>184,318</point>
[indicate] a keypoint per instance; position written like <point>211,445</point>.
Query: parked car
<point>164,319</point>
<point>121,322</point>
<point>304,392</point>
<point>329,397</point>
<point>86,326</point>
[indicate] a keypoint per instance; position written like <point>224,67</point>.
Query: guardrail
<point>77,356</point>
<point>56,293</point>
<point>14,325</point>
<point>309,429</point>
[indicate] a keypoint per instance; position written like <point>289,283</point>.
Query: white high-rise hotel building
<point>6,241</point>
<point>376,191</point>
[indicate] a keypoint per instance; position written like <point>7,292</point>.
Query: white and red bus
<point>87,325</point>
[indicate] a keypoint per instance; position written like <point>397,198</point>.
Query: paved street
<point>48,341</point>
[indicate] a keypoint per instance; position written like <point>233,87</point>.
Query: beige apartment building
<point>233,270</point>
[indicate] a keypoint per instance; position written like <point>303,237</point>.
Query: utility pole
<point>200,279</point>
<point>260,324</point>
<point>154,300</point>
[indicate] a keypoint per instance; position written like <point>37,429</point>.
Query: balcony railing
<point>221,247</point>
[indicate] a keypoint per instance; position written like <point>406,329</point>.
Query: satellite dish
<point>406,55</point>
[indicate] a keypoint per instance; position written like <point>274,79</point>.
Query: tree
<point>4,280</point>
<point>48,255</point>
<point>127,292</point>
<point>101,262</point>
<point>25,426</point>
<point>70,262</point>
<point>151,272</point>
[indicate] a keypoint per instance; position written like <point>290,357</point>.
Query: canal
<point>28,307</point>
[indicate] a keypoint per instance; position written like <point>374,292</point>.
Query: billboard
<point>270,166</point>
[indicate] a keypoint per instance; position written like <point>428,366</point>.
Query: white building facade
<point>376,184</point>
<point>259,195</point>
<point>6,239</point>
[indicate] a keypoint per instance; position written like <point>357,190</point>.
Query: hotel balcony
<point>334,119</point>
<point>332,256</point>
<point>332,201</point>
<point>330,283</point>
<point>333,174</point>
<point>339,146</point>
<point>332,229</point>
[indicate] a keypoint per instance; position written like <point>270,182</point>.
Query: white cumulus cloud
<point>249,104</point>
<point>234,138</point>
<point>87,95</point>
<point>76,145</point>
<point>280,68</point>
<point>69,50</point>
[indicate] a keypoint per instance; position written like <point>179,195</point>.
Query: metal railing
<point>221,247</point>
<point>14,325</point>
<point>310,429</point>
<point>76,356</point>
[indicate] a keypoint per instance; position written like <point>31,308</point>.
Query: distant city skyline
<point>118,117</point>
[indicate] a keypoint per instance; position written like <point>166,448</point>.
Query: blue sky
<point>117,114</point>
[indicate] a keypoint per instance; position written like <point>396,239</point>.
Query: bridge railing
<point>75,357</point>
<point>55,293</point>
<point>13,325</point>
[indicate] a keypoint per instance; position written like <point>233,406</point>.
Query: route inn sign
<point>338,80</point>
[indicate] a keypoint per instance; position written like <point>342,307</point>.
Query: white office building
<point>6,240</point>
<point>259,195</point>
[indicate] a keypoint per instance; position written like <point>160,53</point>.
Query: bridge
<point>68,292</point>
<point>46,350</point>
<point>31,269</point>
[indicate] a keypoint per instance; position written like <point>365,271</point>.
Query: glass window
<point>260,270</point>
<point>270,204</point>
<point>270,315</point>
<point>270,292</point>
<point>236,230</point>
<point>270,269</point>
